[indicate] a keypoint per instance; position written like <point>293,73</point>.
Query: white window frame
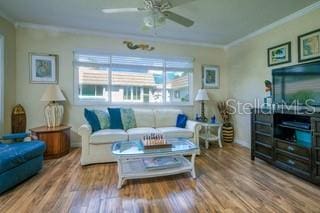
<point>94,102</point>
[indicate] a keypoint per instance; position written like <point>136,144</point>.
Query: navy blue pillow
<point>182,121</point>
<point>115,118</point>
<point>92,119</point>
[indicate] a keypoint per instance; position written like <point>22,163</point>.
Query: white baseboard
<point>75,144</point>
<point>243,143</point>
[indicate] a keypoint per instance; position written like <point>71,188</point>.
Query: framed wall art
<point>210,77</point>
<point>43,68</point>
<point>279,54</point>
<point>309,46</point>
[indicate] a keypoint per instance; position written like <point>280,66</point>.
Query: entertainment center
<point>290,139</point>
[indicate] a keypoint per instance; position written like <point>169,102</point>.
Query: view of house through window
<point>127,79</point>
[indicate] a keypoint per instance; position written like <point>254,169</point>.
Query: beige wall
<point>247,65</point>
<point>8,31</point>
<point>63,44</point>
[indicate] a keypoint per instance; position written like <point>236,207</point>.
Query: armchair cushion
<point>12,155</point>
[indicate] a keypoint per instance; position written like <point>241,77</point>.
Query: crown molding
<point>8,18</point>
<point>275,24</point>
<point>52,28</point>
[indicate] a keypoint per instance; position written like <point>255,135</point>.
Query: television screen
<point>298,84</point>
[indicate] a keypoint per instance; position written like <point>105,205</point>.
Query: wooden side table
<point>57,140</point>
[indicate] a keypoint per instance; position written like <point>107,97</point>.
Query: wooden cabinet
<point>277,144</point>
<point>57,140</point>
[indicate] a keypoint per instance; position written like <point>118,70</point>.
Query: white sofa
<point>96,147</point>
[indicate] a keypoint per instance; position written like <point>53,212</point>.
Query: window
<point>130,79</point>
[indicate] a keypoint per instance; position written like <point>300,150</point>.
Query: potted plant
<point>227,128</point>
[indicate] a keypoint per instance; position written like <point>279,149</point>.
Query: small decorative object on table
<point>268,95</point>
<point>227,129</point>
<point>53,111</point>
<point>18,119</point>
<point>155,141</point>
<point>213,119</point>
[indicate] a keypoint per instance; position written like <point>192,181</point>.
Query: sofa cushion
<point>115,118</point>
<point>12,155</point>
<point>92,119</point>
<point>128,118</point>
<point>144,117</point>
<point>108,136</point>
<point>166,117</point>
<point>175,132</point>
<point>138,133</point>
<point>103,117</point>
<point>182,121</point>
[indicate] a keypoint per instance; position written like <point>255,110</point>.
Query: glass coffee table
<point>135,162</point>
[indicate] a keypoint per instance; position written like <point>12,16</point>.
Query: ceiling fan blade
<point>123,10</point>
<point>178,19</point>
<point>175,3</point>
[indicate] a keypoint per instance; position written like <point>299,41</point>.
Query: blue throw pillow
<point>115,118</point>
<point>182,121</point>
<point>92,119</point>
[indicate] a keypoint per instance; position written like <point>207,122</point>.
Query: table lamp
<point>202,96</point>
<point>53,111</point>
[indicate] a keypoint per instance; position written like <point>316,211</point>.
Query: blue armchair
<point>19,161</point>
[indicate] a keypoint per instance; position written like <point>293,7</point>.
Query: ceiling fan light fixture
<point>154,19</point>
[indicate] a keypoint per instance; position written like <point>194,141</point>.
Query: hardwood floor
<point>228,181</point>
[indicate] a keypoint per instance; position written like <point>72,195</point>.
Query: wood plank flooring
<point>228,181</point>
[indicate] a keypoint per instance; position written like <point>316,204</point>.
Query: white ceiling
<point>217,22</point>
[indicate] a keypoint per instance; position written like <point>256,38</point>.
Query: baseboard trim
<point>243,143</point>
<point>75,144</point>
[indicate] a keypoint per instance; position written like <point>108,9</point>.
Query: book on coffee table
<point>161,163</point>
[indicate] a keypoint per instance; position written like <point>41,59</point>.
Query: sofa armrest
<point>195,127</point>
<point>85,130</point>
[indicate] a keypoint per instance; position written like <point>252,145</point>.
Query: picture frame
<point>309,46</point>
<point>210,76</point>
<point>43,68</point>
<point>280,54</point>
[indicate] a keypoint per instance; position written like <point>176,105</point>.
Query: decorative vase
<point>53,114</point>
<point>228,133</point>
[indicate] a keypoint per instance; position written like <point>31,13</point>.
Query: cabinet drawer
<point>300,151</point>
<point>315,122</point>
<point>292,162</point>
<point>263,152</point>
<point>263,128</point>
<point>317,154</point>
<point>267,118</point>
<point>263,138</point>
<point>316,139</point>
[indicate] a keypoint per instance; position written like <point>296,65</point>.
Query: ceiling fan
<point>157,12</point>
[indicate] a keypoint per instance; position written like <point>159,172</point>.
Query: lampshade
<point>53,93</point>
<point>202,95</point>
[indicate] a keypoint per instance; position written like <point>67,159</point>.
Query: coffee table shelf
<point>130,160</point>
